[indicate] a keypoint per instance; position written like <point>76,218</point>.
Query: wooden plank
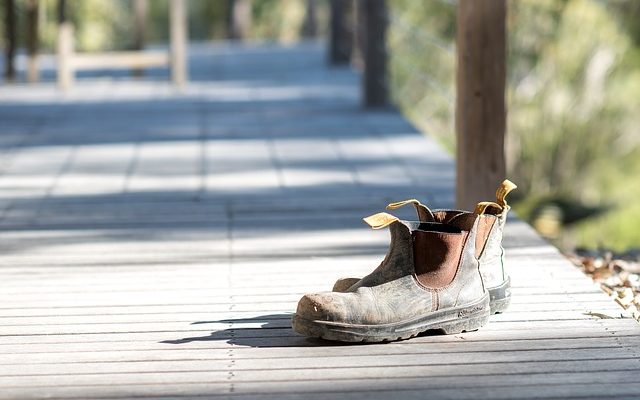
<point>64,48</point>
<point>272,380</point>
<point>219,320</point>
<point>222,311</point>
<point>480,100</point>
<point>178,41</point>
<point>472,388</point>
<point>121,59</point>
<point>285,300</point>
<point>138,350</point>
<point>259,342</point>
<point>621,356</point>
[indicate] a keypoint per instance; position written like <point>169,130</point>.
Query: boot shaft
<point>488,240</point>
<point>440,257</point>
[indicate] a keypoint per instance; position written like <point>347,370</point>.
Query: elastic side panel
<point>464,221</point>
<point>436,256</point>
<point>485,224</point>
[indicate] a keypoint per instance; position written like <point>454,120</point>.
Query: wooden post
<point>140,26</point>
<point>178,27</point>
<point>33,73</point>
<point>480,103</point>
<point>64,48</point>
<point>374,14</point>
<point>359,31</point>
<point>341,40</point>
<point>229,19</point>
<point>310,26</point>
<point>10,39</point>
<point>238,19</point>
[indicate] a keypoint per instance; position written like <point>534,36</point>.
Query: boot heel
<point>500,297</point>
<point>499,306</point>
<point>469,324</point>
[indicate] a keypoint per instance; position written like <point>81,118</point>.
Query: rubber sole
<point>469,317</point>
<point>500,297</point>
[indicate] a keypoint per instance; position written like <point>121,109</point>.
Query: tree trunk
<point>10,39</point>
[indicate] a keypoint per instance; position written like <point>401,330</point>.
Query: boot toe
<point>320,307</point>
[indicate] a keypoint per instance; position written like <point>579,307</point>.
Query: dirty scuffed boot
<point>430,279</point>
<point>424,215</point>
<point>489,244</point>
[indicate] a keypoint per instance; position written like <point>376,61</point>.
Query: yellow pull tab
<point>484,206</point>
<point>393,206</point>
<point>424,213</point>
<point>503,190</point>
<point>380,220</point>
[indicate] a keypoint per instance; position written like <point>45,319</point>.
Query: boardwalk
<point>154,243</point>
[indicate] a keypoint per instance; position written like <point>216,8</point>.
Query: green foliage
<point>573,117</point>
<point>422,64</point>
<point>617,230</point>
<point>573,83</point>
<point>279,19</point>
<point>102,25</point>
<point>569,111</point>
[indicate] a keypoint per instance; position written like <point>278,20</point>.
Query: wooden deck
<point>154,243</point>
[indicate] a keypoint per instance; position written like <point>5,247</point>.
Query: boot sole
<point>500,297</point>
<point>467,318</point>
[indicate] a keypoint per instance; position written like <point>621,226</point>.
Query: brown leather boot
<point>430,279</point>
<point>491,252</point>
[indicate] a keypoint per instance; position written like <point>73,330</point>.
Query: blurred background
<point>573,84</point>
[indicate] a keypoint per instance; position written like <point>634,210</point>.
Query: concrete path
<point>154,243</point>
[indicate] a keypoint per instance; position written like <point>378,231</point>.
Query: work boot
<point>429,279</point>
<point>491,253</point>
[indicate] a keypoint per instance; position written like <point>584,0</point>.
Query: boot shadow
<point>274,330</point>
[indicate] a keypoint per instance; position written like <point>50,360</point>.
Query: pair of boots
<point>445,271</point>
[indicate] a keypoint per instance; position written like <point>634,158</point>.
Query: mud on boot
<point>488,246</point>
<point>429,279</point>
